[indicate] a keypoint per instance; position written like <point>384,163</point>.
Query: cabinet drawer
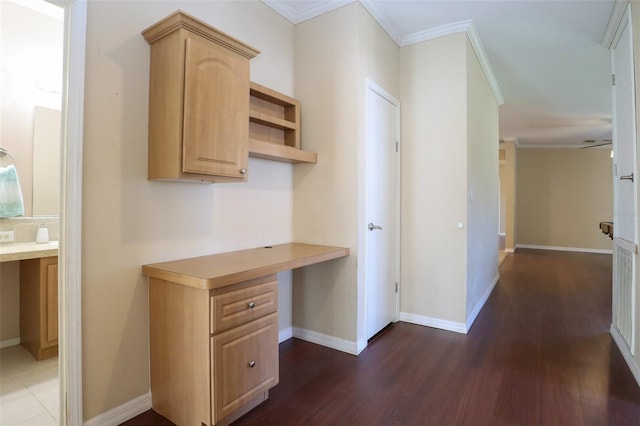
<point>240,306</point>
<point>245,364</point>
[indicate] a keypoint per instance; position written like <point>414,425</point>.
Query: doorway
<point>382,209</point>
<point>70,218</point>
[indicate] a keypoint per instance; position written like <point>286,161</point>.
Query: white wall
<point>562,195</point>
<point>482,184</point>
<point>325,203</point>
<point>335,53</point>
<point>449,183</point>
<point>129,221</point>
<point>433,82</point>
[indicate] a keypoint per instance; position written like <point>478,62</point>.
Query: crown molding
<point>430,34</point>
<point>380,19</point>
<point>474,37</point>
<point>316,9</point>
<point>617,12</point>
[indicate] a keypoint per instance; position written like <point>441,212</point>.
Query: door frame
<point>70,245</point>
<point>372,86</point>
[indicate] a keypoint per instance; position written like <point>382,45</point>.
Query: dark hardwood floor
<point>539,353</point>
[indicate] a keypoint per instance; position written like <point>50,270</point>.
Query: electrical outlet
<point>6,237</point>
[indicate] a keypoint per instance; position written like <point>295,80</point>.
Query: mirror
<point>32,36</point>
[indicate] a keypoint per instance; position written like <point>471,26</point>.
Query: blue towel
<point>11,203</point>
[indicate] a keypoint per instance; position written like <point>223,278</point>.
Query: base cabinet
<point>39,306</point>
<point>214,353</point>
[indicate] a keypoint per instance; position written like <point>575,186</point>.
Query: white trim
<point>7,343</point>
<point>70,249</point>
<point>558,248</point>
<point>122,413</point>
<point>380,18</point>
<point>626,354</point>
<point>511,251</point>
<point>617,12</point>
<point>471,318</point>
<point>361,344</point>
<point>502,234</point>
<point>437,32</point>
<point>315,9</point>
<point>458,327</point>
<point>285,334</point>
<point>332,342</point>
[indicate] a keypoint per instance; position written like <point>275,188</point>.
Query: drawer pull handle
<point>252,364</point>
<point>251,305</point>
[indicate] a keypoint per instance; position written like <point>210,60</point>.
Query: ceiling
<point>550,59</point>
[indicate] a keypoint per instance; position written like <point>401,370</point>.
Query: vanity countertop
<point>218,270</point>
<point>22,251</point>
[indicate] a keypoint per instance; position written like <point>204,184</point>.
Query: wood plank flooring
<point>539,353</point>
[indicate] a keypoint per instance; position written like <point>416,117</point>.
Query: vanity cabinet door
<point>50,335</point>
<point>39,306</point>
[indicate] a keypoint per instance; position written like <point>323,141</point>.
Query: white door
<point>382,208</point>
<point>625,183</point>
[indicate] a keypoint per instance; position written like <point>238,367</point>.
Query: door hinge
<point>613,79</point>
<point>397,146</point>
<point>396,287</point>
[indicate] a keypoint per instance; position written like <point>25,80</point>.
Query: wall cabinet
<point>198,101</point>
<point>39,306</point>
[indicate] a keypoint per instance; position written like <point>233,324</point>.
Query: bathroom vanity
<point>38,295</point>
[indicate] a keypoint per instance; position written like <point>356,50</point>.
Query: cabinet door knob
<point>251,305</point>
<point>251,364</point>
<point>243,171</point>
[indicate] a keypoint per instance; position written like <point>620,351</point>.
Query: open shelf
<point>274,127</point>
<point>277,152</point>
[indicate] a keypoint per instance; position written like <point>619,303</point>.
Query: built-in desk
<point>214,330</point>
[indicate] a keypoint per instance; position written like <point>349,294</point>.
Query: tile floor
<point>28,389</point>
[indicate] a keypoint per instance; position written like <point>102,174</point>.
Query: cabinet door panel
<point>52,305</point>
<point>245,361</point>
<point>216,107</point>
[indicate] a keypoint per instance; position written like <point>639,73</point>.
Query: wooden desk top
<point>218,270</point>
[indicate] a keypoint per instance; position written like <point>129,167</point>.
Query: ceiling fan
<point>593,144</point>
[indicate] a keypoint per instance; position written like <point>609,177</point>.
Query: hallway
<point>539,353</point>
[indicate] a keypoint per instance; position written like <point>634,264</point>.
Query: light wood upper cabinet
<point>198,101</point>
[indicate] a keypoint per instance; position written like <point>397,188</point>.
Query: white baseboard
<point>509,250</point>
<point>9,342</point>
<point>285,334</point>
<point>476,311</point>
<point>328,341</point>
<point>557,248</point>
<point>458,327</point>
<point>124,412</point>
<point>626,353</point>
